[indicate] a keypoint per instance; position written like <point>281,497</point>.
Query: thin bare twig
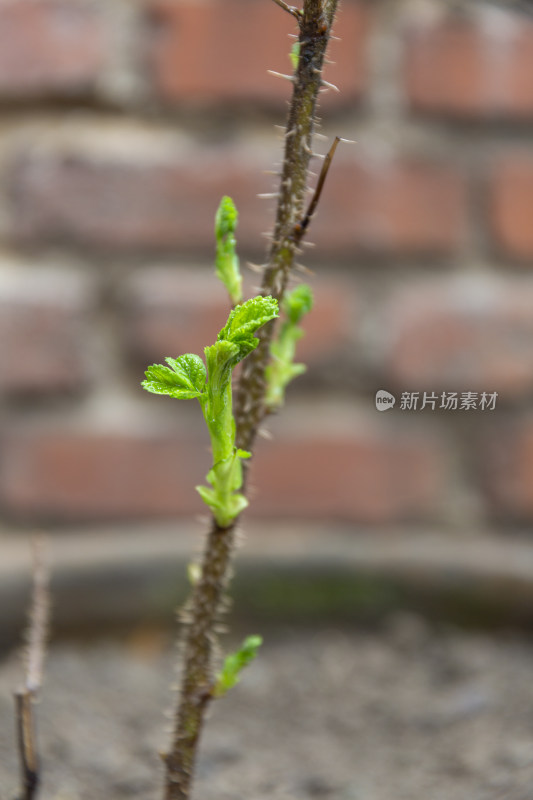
<point>39,617</point>
<point>301,227</point>
<point>296,12</point>
<point>33,672</point>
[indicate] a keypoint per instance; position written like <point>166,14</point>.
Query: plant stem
<point>25,696</point>
<point>197,680</point>
<point>315,23</point>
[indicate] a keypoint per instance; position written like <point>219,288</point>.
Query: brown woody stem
<point>29,764</point>
<point>315,25</point>
<point>197,679</point>
<point>315,21</point>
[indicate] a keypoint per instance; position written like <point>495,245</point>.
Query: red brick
<point>138,203</point>
<point>169,312</point>
<point>362,475</point>
<point>472,334</point>
<point>220,51</point>
<point>384,207</point>
<point>391,206</point>
<point>332,325</point>
<point>45,334</point>
<point>50,47</point>
<point>511,206</point>
<point>507,468</point>
<point>468,68</point>
<point>64,476</point>
<point>365,475</point>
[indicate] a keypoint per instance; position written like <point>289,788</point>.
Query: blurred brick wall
<point>122,122</point>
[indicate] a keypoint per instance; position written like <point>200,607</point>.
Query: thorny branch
<point>315,25</point>
<point>314,20</point>
<point>33,671</point>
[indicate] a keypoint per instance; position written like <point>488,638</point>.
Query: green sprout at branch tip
<point>234,663</point>
<point>282,369</point>
<point>226,260</point>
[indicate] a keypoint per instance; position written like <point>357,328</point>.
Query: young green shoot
<point>234,663</point>
<point>282,369</point>
<point>226,260</point>
<point>186,378</point>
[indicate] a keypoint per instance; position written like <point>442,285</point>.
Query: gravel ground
<point>407,713</point>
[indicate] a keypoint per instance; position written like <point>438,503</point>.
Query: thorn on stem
<point>281,75</point>
<point>329,85</point>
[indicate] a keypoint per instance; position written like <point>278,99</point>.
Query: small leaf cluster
<point>282,368</point>
<point>234,663</point>
<point>187,377</point>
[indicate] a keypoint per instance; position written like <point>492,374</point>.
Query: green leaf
<point>226,218</point>
<point>209,497</point>
<point>190,369</point>
<point>297,303</point>
<point>221,357</point>
<point>224,510</point>
<point>225,477</point>
<point>234,663</point>
<point>164,380</point>
<point>236,340</point>
<point>227,261</point>
<point>244,320</point>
